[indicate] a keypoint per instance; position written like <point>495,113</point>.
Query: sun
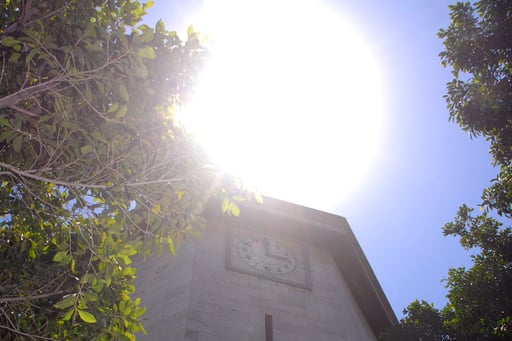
<point>290,100</point>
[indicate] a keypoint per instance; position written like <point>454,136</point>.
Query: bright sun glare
<point>290,100</point>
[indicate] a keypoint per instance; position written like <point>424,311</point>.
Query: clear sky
<point>424,166</point>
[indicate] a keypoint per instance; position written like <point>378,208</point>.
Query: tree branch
<point>27,174</point>
<point>33,337</point>
<point>33,297</point>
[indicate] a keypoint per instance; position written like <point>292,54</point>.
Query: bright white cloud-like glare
<point>289,101</point>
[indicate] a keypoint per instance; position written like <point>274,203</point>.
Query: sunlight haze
<point>275,100</point>
<point>290,100</point>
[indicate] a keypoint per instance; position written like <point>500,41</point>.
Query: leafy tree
<point>478,48</point>
<point>421,321</point>
<point>480,298</point>
<point>94,167</point>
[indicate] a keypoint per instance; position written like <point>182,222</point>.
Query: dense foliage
<point>478,48</point>
<point>421,321</point>
<point>94,167</point>
<point>480,298</point>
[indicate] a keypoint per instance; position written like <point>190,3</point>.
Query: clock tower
<point>278,272</point>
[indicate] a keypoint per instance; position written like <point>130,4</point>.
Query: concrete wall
<point>193,297</point>
<point>164,285</point>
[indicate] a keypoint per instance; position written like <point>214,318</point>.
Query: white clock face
<point>266,255</point>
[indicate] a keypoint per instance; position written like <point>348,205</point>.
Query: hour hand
<point>266,246</point>
<point>283,258</point>
<point>268,252</point>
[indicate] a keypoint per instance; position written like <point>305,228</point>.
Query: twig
<point>27,174</point>
<point>33,337</point>
<point>32,298</point>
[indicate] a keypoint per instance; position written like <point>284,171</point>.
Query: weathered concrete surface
<point>193,297</point>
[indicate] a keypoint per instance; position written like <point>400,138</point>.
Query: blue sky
<point>425,166</point>
<point>429,166</point>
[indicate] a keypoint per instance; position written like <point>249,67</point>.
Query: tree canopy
<point>94,166</point>
<point>421,321</point>
<point>480,300</point>
<point>478,49</point>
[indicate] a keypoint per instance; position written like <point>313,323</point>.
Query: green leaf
<point>160,27</point>
<point>225,205</point>
<point>60,256</point>
<point>234,209</point>
<point>4,122</point>
<point>126,259</point>
<point>67,315</point>
<point>86,316</point>
<point>122,111</point>
<point>128,250</point>
<point>147,52</point>
<point>148,4</point>
<point>86,149</point>
<point>147,35</point>
<point>190,30</point>
<point>88,94</point>
<point>115,106</point>
<point>9,41</point>
<point>67,302</point>
<point>17,143</point>
<point>31,55</point>
<point>90,296</point>
<point>98,286</point>
<point>156,209</point>
<point>170,242</point>
<point>123,92</point>
<point>7,136</point>
<point>90,31</point>
<point>14,57</point>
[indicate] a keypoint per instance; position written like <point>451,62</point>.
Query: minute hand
<point>287,259</point>
<point>268,253</point>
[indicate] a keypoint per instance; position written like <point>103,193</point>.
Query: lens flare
<point>290,100</point>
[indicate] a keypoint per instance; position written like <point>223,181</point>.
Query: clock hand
<point>269,253</point>
<point>287,259</point>
<point>266,246</point>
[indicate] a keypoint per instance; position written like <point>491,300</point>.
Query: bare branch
<point>33,337</point>
<point>23,111</point>
<point>29,174</point>
<point>33,297</point>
